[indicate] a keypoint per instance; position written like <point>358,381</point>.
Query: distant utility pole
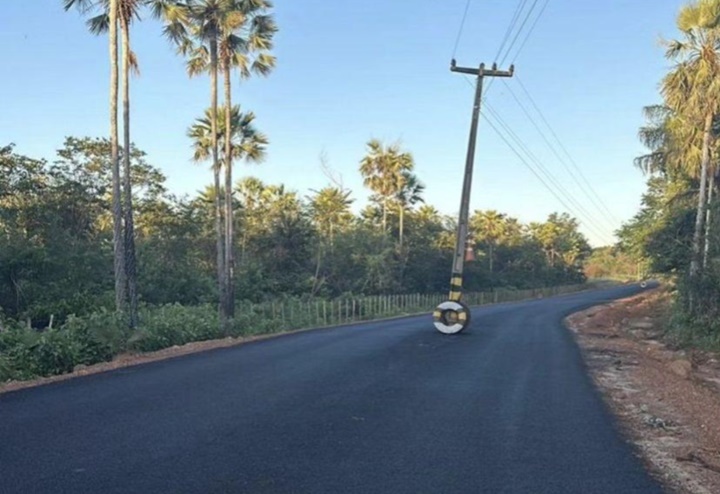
<point>453,316</point>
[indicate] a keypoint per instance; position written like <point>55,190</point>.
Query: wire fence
<point>298,314</point>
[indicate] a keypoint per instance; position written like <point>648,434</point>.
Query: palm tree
<point>658,136</point>
<point>125,12</point>
<point>708,217</point>
<point>489,226</point>
<point>108,21</point>
<point>407,195</point>
<point>215,35</point>
<point>250,191</point>
<point>329,209</point>
<point>195,27</point>
<point>382,169</point>
<point>245,41</point>
<point>246,142</point>
<point>692,91</point>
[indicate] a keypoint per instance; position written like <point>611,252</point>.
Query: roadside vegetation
<point>677,233</point>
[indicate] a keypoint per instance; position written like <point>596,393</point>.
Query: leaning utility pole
<point>453,316</point>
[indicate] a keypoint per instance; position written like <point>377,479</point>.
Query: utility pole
<point>453,316</point>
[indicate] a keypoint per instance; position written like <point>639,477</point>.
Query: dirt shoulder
<point>667,401</point>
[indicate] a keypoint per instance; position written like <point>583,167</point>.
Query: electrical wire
<point>525,40</point>
<point>532,28</point>
<point>586,188</point>
<point>511,26</point>
<point>517,35</point>
<point>562,195</point>
<point>572,204</point>
<point>460,29</point>
<point>600,202</point>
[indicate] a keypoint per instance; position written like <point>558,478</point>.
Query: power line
<point>528,14</point>
<point>557,155</point>
<point>528,165</point>
<point>511,26</point>
<point>578,210</point>
<point>532,28</point>
<point>460,29</point>
<point>602,204</point>
<point>512,44</point>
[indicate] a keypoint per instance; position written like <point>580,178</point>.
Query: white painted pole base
<point>451,317</point>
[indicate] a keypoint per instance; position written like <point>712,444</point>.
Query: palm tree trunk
<point>708,217</point>
<point>216,176</point>
<point>702,197</point>
<point>492,254</point>
<point>130,266</point>
<point>118,246</point>
<point>316,279</point>
<point>229,254</point>
<point>402,225</point>
<point>384,217</point>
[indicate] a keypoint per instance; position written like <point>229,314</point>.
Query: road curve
<point>382,407</point>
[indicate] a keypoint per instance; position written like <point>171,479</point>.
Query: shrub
<point>171,325</point>
<point>100,336</point>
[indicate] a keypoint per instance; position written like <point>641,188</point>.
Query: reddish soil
<point>667,400</point>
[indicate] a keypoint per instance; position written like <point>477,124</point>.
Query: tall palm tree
<point>692,91</point>
<point>195,27</point>
<point>127,11</point>
<point>223,35</point>
<point>382,169</point>
<point>407,195</point>
<point>107,20</point>
<point>245,42</point>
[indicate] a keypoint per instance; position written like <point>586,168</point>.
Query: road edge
<point>127,360</point>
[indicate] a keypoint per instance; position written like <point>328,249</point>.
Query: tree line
<point>676,230</point>
<point>56,248</point>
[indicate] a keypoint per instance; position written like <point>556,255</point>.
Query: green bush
<point>55,352</point>
<point>171,325</point>
<point>18,362</point>
<point>100,336</point>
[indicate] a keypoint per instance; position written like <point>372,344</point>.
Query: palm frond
<point>99,24</point>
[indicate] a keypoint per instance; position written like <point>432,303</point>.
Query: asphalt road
<point>390,407</point>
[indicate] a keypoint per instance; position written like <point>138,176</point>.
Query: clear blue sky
<point>355,69</point>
